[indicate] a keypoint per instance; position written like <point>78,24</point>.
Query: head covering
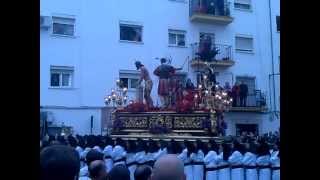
<point>97,148</point>
<point>163,60</point>
<point>138,64</point>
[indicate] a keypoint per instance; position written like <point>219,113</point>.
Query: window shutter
<point>244,43</point>
<point>63,20</point>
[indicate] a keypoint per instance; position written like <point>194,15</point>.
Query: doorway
<point>240,128</point>
<point>202,35</point>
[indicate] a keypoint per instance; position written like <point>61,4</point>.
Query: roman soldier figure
<point>164,72</point>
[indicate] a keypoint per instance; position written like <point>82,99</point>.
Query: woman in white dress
<point>185,157</point>
<point>131,157</point>
<point>119,153</point>
<point>107,151</point>
<point>249,161</point>
<point>197,161</point>
<point>223,164</point>
<point>235,161</point>
<point>263,161</point>
<point>275,161</point>
<point>210,161</point>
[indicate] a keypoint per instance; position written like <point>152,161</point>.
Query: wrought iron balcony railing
<point>255,102</point>
<point>210,11</point>
<point>211,54</point>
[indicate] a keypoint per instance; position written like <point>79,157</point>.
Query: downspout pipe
<point>272,76</point>
<point>272,57</point>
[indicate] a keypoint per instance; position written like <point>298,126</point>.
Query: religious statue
<point>144,75</point>
<point>165,72</point>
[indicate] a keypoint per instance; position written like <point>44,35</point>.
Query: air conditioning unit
<point>45,22</point>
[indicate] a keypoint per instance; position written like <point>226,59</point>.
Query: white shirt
<point>84,171</point>
<point>197,157</point>
<point>118,153</point>
<point>184,156</point>
<point>97,148</point>
<point>107,150</point>
<point>249,159</point>
<point>210,160</point>
<point>275,160</point>
<point>141,157</point>
<point>160,153</point>
<point>235,158</point>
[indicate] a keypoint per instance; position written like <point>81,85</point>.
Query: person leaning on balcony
<point>205,48</point>
<point>243,94</point>
<point>235,91</point>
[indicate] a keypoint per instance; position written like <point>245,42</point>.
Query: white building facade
<point>85,46</point>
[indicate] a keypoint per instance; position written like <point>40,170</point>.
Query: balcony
<point>217,55</point>
<point>210,11</point>
<point>256,102</point>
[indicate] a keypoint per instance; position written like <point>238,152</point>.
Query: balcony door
<point>251,83</point>
<point>240,128</point>
<point>203,35</point>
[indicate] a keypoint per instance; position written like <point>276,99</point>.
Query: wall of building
<point>263,120</point>
<point>78,118</point>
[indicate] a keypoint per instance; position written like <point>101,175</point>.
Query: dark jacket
<point>243,89</point>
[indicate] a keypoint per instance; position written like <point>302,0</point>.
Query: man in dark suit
<point>243,94</point>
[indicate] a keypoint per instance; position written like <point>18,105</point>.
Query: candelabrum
<point>212,96</point>
<point>118,97</point>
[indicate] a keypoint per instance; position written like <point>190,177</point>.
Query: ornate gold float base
<point>164,125</point>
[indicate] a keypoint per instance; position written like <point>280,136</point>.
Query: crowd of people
<point>245,157</point>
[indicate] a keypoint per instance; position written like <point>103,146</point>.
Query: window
<point>252,98</point>
<point>249,81</point>
<point>242,4</point>
<point>130,32</point>
<point>129,79</point>
<point>177,38</point>
<point>244,44</point>
<point>63,26</point>
<point>278,23</point>
<point>249,128</point>
<point>61,76</point>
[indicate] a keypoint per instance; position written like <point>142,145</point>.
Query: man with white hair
<point>168,167</point>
